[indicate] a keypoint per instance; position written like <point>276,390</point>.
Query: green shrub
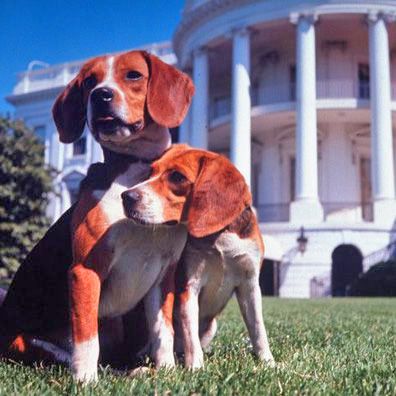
<point>379,280</point>
<point>25,183</point>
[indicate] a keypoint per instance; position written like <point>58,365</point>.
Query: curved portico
<point>234,103</point>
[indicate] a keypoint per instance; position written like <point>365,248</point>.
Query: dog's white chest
<point>141,256</point>
<point>110,200</point>
<point>138,255</point>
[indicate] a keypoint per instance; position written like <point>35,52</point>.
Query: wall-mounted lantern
<point>302,241</point>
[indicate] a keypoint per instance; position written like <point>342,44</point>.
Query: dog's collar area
<point>112,157</point>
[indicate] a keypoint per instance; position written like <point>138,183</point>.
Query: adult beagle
<point>94,263</point>
<point>224,251</point>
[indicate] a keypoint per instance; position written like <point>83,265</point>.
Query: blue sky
<point>56,31</point>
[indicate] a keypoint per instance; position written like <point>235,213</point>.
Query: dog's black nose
<point>129,199</point>
<point>103,94</point>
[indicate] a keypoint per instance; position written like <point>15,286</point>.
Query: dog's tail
<point>28,349</point>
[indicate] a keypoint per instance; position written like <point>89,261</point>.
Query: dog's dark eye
<point>89,82</point>
<point>176,177</point>
<point>133,75</point>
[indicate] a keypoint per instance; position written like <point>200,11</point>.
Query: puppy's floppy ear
<point>69,112</point>
<point>219,195</point>
<point>169,93</point>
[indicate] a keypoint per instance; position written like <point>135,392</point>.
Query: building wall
<point>214,32</point>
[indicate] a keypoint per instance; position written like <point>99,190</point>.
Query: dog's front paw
<point>85,376</point>
<point>268,359</point>
<point>165,359</point>
<point>194,361</point>
<point>84,363</point>
<point>162,350</point>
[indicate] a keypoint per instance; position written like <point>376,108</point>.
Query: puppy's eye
<point>133,75</point>
<point>89,82</point>
<point>176,177</point>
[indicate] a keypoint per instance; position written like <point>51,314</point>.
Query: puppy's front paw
<point>268,359</point>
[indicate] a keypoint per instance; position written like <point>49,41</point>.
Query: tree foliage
<point>25,182</point>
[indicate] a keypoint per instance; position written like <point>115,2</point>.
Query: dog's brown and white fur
<point>128,101</point>
<point>224,252</point>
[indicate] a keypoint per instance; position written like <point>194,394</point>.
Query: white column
<point>47,143</point>
<point>200,105</point>
<point>306,208</point>
<point>184,129</point>
<point>96,152</point>
<point>383,177</point>
<point>88,148</point>
<point>240,105</point>
<point>57,151</point>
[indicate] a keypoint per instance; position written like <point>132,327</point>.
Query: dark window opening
<point>292,185</point>
<point>292,79</point>
<point>366,189</point>
<point>364,80</point>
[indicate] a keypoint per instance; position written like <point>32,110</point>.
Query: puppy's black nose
<point>129,199</point>
<point>103,94</point>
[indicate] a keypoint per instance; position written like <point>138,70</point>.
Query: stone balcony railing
<point>286,92</point>
<point>353,212</point>
<point>59,75</point>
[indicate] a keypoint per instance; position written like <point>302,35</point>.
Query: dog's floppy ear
<point>69,112</point>
<point>169,93</point>
<point>219,195</point>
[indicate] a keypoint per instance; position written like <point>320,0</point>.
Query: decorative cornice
<point>375,15</point>
<point>200,14</point>
<point>242,31</point>
<point>195,17</point>
<point>296,17</point>
<point>203,50</point>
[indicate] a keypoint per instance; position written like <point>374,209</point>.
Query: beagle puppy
<point>94,263</point>
<point>224,250</point>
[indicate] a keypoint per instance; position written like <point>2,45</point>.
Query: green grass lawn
<point>343,346</point>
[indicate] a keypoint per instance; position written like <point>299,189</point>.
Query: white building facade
<point>301,95</point>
